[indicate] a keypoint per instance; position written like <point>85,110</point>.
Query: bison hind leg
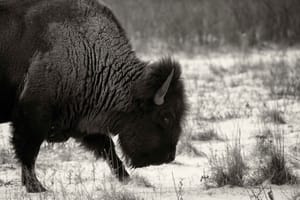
<point>103,146</point>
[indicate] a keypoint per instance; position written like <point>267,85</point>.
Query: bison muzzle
<point>67,70</point>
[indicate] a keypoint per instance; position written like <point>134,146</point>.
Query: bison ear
<point>159,97</point>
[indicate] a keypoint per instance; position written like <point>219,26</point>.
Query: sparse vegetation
<point>276,168</point>
<point>230,168</point>
<point>273,166</point>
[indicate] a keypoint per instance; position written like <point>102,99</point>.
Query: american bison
<point>67,70</point>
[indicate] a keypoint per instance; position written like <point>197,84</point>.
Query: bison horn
<point>159,98</point>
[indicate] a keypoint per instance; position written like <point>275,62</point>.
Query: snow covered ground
<point>229,95</point>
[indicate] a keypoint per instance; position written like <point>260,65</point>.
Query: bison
<point>67,70</point>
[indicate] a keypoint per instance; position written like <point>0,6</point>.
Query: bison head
<point>151,131</point>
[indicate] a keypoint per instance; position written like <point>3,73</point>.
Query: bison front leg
<point>29,126</point>
<point>103,146</point>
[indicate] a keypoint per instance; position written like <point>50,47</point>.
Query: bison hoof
<point>36,187</point>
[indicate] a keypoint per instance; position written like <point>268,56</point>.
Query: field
<point>241,139</point>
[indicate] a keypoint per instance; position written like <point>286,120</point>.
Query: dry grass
<point>229,168</point>
<point>276,168</point>
<point>273,168</point>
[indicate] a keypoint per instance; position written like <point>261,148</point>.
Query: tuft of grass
<point>274,165</point>
<point>276,169</point>
<point>272,116</point>
<point>230,168</point>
